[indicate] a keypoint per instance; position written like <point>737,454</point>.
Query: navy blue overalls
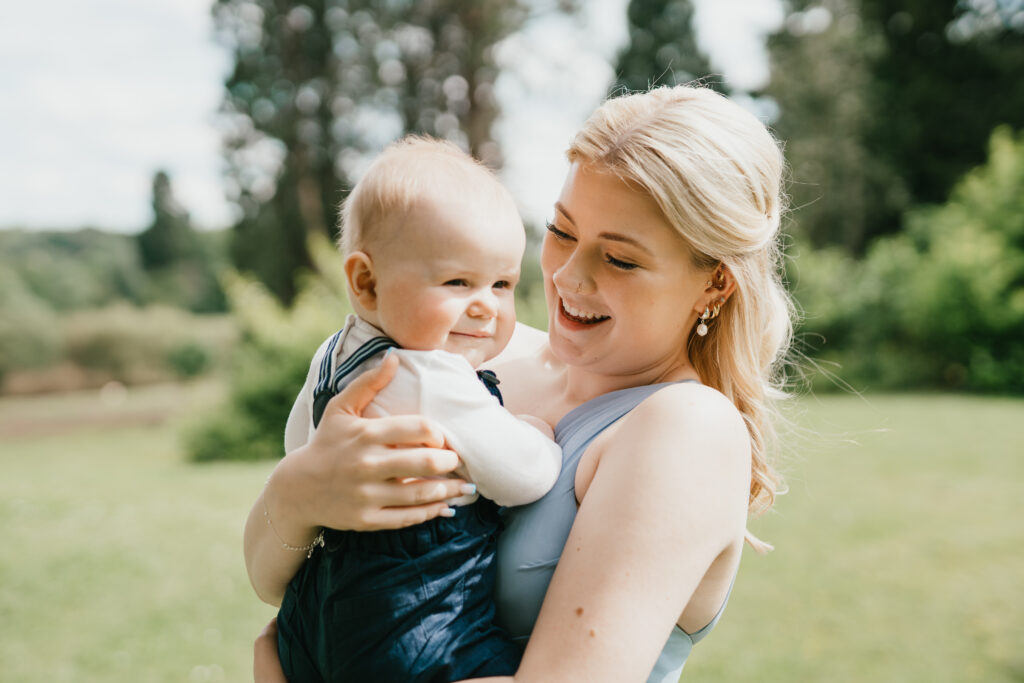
<point>412,605</point>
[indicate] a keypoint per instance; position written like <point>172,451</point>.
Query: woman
<point>667,326</point>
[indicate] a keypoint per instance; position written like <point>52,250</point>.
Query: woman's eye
<point>622,265</point>
<point>558,233</point>
<point>456,283</point>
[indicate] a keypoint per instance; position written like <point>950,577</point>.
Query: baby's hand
<point>540,424</point>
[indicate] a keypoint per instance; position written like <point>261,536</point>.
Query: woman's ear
<point>718,288</point>
<point>361,280</point>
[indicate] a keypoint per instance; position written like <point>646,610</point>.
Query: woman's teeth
<point>582,316</point>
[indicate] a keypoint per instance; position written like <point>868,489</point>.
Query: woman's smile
<point>581,316</point>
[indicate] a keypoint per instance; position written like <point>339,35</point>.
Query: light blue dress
<point>532,542</point>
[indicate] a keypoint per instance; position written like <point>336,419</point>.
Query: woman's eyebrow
<point>560,208</point>
<point>616,237</point>
<point>612,236</point>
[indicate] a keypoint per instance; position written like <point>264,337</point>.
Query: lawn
<point>898,554</point>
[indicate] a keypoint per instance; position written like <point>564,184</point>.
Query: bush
<point>29,330</point>
<point>941,305</point>
<point>271,361</point>
<point>138,345</point>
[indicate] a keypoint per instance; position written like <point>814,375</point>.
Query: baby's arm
<point>510,461</point>
<point>299,428</point>
<point>540,424</point>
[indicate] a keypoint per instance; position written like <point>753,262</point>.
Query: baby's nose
<point>483,305</point>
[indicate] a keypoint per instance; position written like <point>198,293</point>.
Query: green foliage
<point>29,332</point>
<point>137,345</point>
<point>74,270</point>
<point>820,78</point>
<point>662,48</point>
<point>271,361</point>
<point>88,268</point>
<point>318,86</point>
<point>880,106</point>
<point>181,265</point>
<point>940,305</point>
<point>170,237</point>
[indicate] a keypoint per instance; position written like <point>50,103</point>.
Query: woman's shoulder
<point>687,416</point>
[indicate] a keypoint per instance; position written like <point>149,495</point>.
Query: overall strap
<point>330,383</point>
<point>491,382</point>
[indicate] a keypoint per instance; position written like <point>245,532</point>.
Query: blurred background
<point>169,188</point>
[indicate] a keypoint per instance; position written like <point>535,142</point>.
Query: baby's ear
<point>362,282</point>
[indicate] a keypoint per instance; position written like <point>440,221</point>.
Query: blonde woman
<point>666,331</point>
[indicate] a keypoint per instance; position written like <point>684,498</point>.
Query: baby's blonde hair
<point>407,171</point>
<point>716,173</point>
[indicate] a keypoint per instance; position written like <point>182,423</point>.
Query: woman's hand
<point>266,665</point>
<point>367,474</point>
<point>356,473</point>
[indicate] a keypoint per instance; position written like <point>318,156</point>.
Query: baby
<point>433,245</point>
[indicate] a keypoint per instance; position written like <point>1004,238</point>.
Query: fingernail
<point>448,512</point>
<point>388,352</point>
<point>467,489</point>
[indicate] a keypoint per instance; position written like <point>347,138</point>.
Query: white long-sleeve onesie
<point>510,461</point>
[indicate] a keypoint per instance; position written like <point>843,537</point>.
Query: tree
<point>950,72</point>
<point>317,86</point>
<point>883,105</point>
<point>180,264</point>
<point>170,238</point>
<point>662,48</point>
<point>821,72</point>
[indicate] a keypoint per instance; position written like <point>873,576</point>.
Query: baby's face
<point>446,280</point>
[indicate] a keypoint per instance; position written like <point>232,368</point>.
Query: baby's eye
<point>620,264</point>
<point>559,234</point>
<point>458,282</point>
<point>503,284</point>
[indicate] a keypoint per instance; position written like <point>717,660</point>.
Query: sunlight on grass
<point>897,548</point>
<point>122,562</point>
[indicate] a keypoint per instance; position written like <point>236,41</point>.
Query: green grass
<point>121,562</point>
<point>898,551</point>
<point>898,548</point>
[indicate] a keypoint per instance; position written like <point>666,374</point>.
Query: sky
<point>96,96</point>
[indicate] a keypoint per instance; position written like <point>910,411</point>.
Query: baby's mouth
<point>583,317</point>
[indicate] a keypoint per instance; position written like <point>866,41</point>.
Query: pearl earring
<point>702,328</point>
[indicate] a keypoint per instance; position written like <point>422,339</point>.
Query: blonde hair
<point>405,172</point>
<point>716,173</point>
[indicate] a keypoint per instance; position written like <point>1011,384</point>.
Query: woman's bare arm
<point>668,497</point>
<point>351,475</point>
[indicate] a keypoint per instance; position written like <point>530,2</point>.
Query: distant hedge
<point>941,305</point>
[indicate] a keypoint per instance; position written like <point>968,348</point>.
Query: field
<point>898,550</point>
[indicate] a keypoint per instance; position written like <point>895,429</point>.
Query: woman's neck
<point>538,383</point>
<point>582,385</point>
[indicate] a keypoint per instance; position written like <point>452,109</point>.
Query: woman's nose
<point>572,276</point>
